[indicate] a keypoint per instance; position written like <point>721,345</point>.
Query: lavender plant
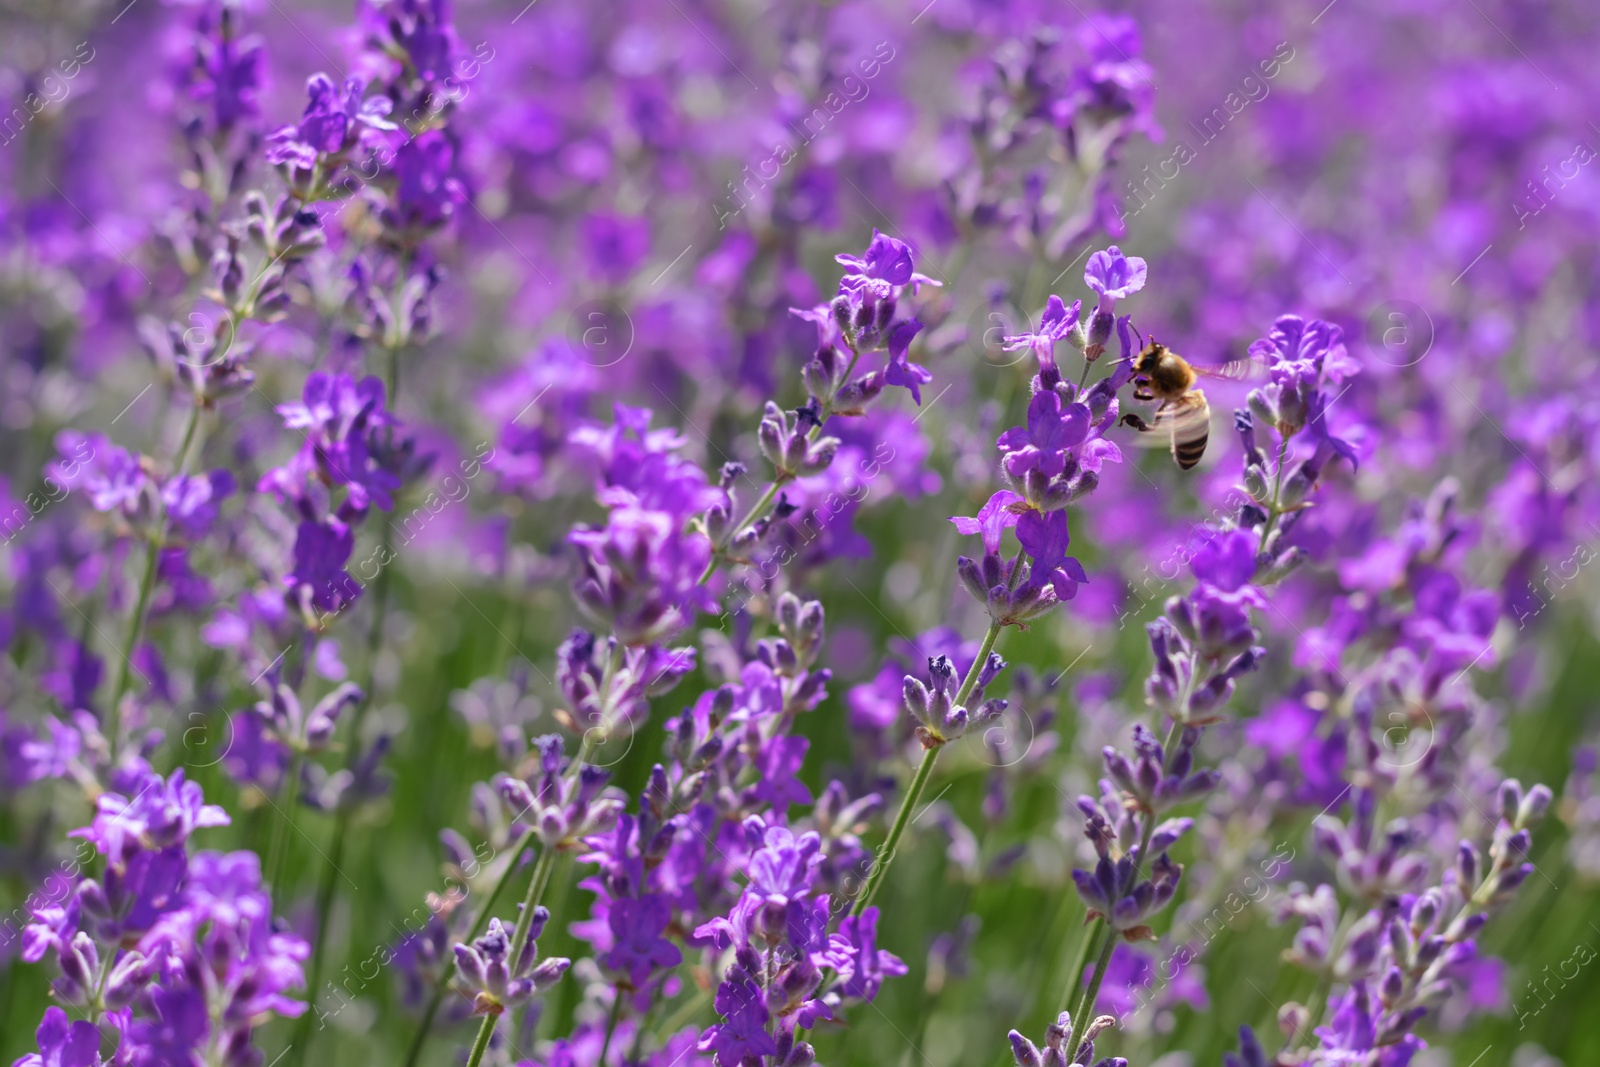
<point>474,586</point>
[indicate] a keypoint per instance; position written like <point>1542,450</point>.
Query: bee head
<point>1149,356</point>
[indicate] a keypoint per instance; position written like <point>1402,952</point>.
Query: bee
<point>1161,375</point>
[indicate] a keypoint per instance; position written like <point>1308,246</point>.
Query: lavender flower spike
<point>1058,1045</point>
<point>504,975</point>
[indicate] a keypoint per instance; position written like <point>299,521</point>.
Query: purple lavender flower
<point>885,267</point>
<point>642,574</point>
<point>1045,539</point>
<point>1057,322</point>
<point>995,517</point>
<point>1114,277</point>
<point>1059,1048</point>
<point>336,122</point>
<point>638,950</point>
<point>634,464</point>
<point>161,815</point>
<point>318,577</point>
<point>940,719</point>
<point>741,1037</point>
<point>503,975</point>
<point>560,807</point>
<point>867,965</point>
<point>422,30</point>
<point>227,70</point>
<point>427,190</point>
<point>901,371</point>
<point>64,1044</point>
<point>1115,83</point>
<point>340,419</point>
<point>193,502</point>
<point>781,869</point>
<point>113,478</point>
<point>1043,444</point>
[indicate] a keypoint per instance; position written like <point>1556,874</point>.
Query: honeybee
<point>1160,374</point>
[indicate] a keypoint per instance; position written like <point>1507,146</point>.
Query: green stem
<point>1086,1002</point>
<point>326,884</point>
<point>886,854</point>
<point>125,661</point>
<point>536,886</point>
<point>919,782</point>
<point>279,850</point>
<point>1277,493</point>
<point>611,1026</point>
<point>751,517</point>
<point>478,924</point>
<point>146,586</point>
<point>481,1043</point>
<point>1075,971</point>
<point>325,888</point>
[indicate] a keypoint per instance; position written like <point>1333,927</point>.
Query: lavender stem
<point>919,783</point>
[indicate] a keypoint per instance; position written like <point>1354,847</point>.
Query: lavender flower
<point>1058,1045</point>
<point>504,975</point>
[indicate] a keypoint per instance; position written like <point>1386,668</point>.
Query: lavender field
<point>760,533</point>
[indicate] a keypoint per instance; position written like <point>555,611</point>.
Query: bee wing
<point>1250,368</point>
<point>1182,419</point>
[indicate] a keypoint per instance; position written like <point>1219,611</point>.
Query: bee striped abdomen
<point>1189,451</point>
<point>1190,421</point>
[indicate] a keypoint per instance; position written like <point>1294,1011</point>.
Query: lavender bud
<point>818,382</point>
<point>1297,487</point>
<point>955,723</point>
<point>770,437</point>
<point>1467,866</point>
<point>1023,1051</point>
<point>794,453</point>
<point>1424,912</point>
<point>916,697</point>
<point>788,612</point>
<point>816,458</point>
<point>130,975</point>
<point>1511,880</point>
<point>841,317</point>
<point>718,520</point>
<point>1256,485</point>
<point>1167,834</point>
<point>1533,806</point>
<point>991,670</point>
<point>80,964</point>
<point>1393,986</point>
<point>1510,799</point>
<point>972,580</point>
<point>1262,409</point>
<point>809,626</point>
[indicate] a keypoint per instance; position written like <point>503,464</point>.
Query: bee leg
<point>1142,392</point>
<point>1135,421</point>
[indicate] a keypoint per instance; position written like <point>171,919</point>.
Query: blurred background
<point>646,189</point>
